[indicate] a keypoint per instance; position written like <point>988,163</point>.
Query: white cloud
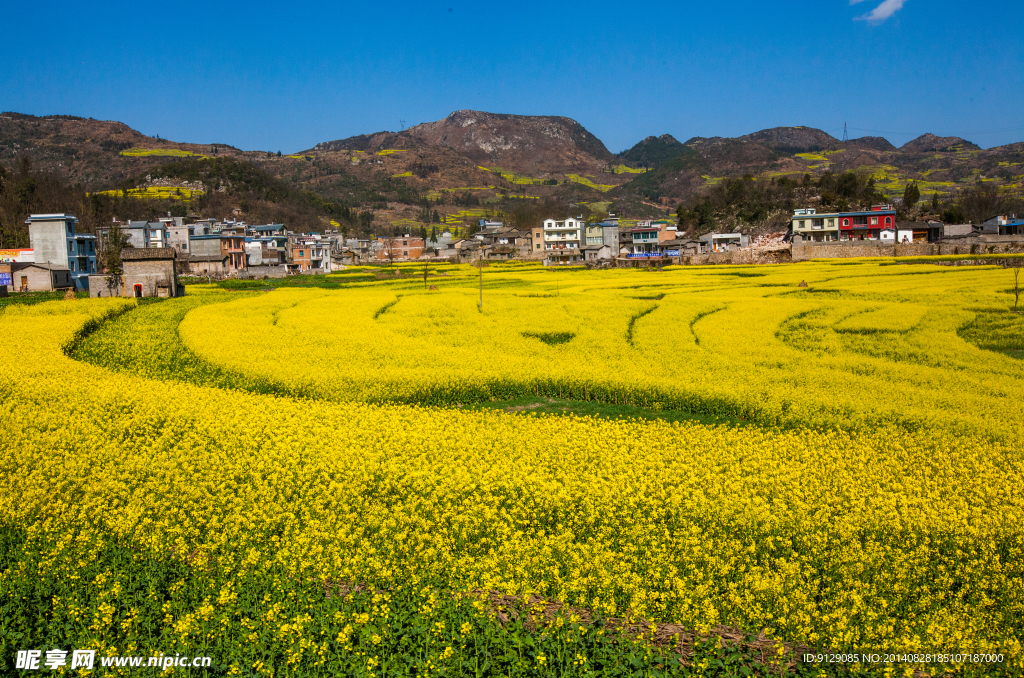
<point>879,14</point>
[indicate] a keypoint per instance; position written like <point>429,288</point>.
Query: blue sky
<point>284,75</point>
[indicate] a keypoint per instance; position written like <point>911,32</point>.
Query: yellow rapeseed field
<point>874,501</point>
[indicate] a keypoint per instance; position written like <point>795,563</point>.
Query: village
<point>157,252</point>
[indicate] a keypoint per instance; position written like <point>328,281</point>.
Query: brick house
<point>232,245</point>
<point>400,247</point>
<point>148,272</point>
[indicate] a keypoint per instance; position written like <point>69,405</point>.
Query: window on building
<point>72,265</point>
<point>874,221</point>
<point>888,220</point>
<point>71,247</point>
<point>803,224</point>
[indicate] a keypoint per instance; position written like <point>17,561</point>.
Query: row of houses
<point>574,240</point>
<point>879,224</point>
<point>61,258</point>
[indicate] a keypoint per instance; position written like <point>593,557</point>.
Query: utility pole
<point>425,264</point>
<point>480,265</point>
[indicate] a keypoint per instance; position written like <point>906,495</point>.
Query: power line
<point>985,131</point>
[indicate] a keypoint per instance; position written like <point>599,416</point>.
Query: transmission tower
<point>403,124</point>
<point>845,136</point>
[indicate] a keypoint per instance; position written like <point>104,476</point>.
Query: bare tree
<point>389,247</point>
<point>110,258</point>
<point>1015,264</point>
<point>981,202</point>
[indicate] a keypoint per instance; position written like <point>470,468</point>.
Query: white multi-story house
<point>563,240</point>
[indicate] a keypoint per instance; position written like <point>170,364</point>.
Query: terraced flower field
<point>294,481</point>
<point>157,193</point>
<point>160,152</point>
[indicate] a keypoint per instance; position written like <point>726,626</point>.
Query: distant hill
<point>87,151</point>
<point>524,143</point>
<point>652,151</point>
<point>874,143</point>
<point>793,139</point>
<point>930,143</point>
<point>731,154</point>
<point>365,142</point>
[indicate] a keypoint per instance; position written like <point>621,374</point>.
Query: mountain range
<point>499,157</point>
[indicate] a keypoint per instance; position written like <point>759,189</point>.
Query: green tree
<point>911,195</point>
<point>935,203</point>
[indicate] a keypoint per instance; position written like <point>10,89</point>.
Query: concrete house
<point>812,226</point>
<point>266,230</point>
<point>232,245</point>
<point>563,240</point>
<point>31,277</point>
<point>537,241</point>
<point>54,241</point>
<point>610,234</point>
<point>641,241</point>
<point>598,253</point>
<point>680,247</point>
<point>137,232</point>
<point>918,231</point>
<point>723,242</point>
<point>594,234</point>
<point>178,233</point>
<point>1003,224</point>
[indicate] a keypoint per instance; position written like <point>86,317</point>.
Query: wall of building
<point>842,250</point>
<point>99,286</point>
<point>737,257</point>
<point>177,237</point>
<point>50,241</point>
<point>137,237</point>
<point>257,272</point>
<point>204,246</point>
<point>215,267</point>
